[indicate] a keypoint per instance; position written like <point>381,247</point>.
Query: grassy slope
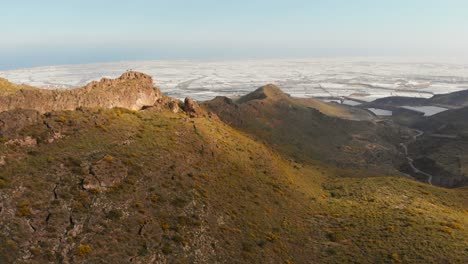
<point>272,92</point>
<point>7,87</point>
<point>198,190</point>
<point>304,133</point>
<point>337,110</point>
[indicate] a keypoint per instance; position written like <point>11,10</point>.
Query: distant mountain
<point>399,101</point>
<point>450,121</point>
<point>456,99</point>
<point>451,100</point>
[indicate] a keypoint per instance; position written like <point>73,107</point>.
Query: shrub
<point>179,202</point>
<point>272,237</point>
<point>61,119</point>
<point>247,247</point>
<point>83,250</point>
<point>154,198</point>
<point>454,225</point>
<point>23,209</point>
<point>165,226</point>
<point>114,214</point>
<point>3,183</point>
<point>166,249</point>
<point>108,158</point>
<point>335,236</point>
<point>102,127</point>
<point>446,229</point>
<point>396,258</point>
<point>177,239</point>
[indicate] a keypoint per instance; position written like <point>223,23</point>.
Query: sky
<point>50,32</point>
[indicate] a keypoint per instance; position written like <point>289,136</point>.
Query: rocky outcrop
<point>192,108</point>
<point>165,103</point>
<point>11,122</point>
<point>105,174</point>
<point>132,90</point>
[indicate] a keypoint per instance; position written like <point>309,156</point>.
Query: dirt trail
<point>411,161</point>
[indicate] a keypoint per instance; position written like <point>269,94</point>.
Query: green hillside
<point>7,87</point>
<point>116,186</point>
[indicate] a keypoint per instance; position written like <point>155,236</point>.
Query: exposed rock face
<point>192,108</point>
<point>132,90</point>
<point>165,103</point>
<point>23,142</point>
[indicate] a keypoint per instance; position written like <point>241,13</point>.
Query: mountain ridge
<point>131,90</point>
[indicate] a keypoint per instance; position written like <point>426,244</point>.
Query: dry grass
<point>7,87</point>
<point>199,190</point>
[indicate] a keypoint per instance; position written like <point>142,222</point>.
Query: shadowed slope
<point>443,150</point>
<point>458,99</point>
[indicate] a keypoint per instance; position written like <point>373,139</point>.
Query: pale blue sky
<point>50,32</point>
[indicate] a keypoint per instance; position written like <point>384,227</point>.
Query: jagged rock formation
<point>164,103</point>
<point>132,90</point>
<point>192,108</point>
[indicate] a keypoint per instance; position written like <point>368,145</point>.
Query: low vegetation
<point>199,190</point>
<point>7,87</point>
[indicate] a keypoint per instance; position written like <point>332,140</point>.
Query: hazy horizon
<point>74,32</point>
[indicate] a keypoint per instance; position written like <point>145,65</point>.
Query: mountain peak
<point>127,77</point>
<point>269,91</point>
<point>132,75</point>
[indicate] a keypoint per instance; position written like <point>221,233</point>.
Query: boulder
<point>192,108</point>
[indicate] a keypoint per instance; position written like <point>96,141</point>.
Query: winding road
<point>411,161</point>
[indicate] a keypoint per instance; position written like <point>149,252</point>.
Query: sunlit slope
<point>7,88</point>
